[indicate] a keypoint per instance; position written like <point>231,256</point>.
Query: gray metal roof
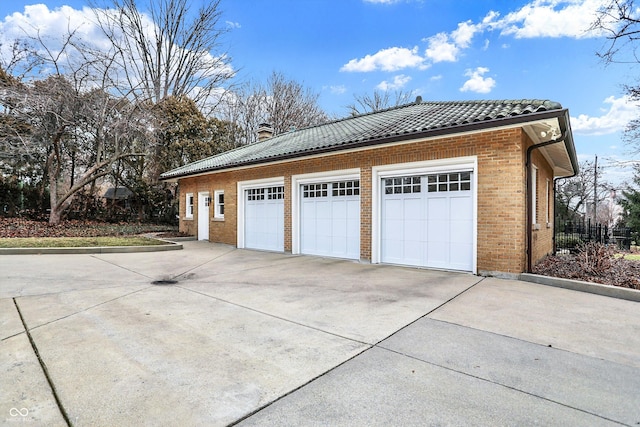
<point>118,193</point>
<point>399,123</point>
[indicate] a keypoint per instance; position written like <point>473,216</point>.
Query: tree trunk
<point>54,213</point>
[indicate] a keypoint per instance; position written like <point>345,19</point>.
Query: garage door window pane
<point>314,190</point>
<point>275,193</point>
<point>459,181</point>
<point>345,188</point>
<point>400,185</point>
<point>255,194</point>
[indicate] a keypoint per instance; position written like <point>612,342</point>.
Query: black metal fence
<point>571,234</point>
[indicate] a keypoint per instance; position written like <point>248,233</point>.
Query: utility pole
<point>595,192</point>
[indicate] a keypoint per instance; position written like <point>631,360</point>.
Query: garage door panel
<point>438,231</point>
<point>461,208</point>
<point>412,230</point>
<point>430,222</point>
<point>323,209</point>
<point>339,244</point>
<point>330,220</point>
<point>264,218</point>
<point>438,209</point>
<point>338,210</point>
<point>438,254</point>
<point>460,231</point>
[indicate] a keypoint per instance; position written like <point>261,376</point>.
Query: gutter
<point>528,165</point>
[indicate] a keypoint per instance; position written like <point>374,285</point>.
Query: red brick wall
<point>500,178</point>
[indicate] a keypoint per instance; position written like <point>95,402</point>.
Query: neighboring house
<point>120,196</point>
<point>431,184</point>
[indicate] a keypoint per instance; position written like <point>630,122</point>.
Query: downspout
<point>529,225</point>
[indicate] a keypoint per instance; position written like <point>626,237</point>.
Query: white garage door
<point>330,219</point>
<point>427,220</point>
<point>264,218</point>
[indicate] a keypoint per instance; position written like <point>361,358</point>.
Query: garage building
<point>464,185</point>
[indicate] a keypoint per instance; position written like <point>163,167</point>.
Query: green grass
<point>632,257</point>
<point>76,242</point>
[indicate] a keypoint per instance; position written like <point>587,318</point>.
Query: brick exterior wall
<point>500,183</point>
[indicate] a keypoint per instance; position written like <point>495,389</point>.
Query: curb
<point>169,246</point>
<point>578,285</point>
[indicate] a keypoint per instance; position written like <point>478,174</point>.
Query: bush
<point>595,259</point>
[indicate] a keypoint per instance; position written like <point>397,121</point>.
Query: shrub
<point>595,259</point>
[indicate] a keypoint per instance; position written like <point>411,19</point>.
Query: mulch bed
<point>596,266</point>
<point>18,227</point>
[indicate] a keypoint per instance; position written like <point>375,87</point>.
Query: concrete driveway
<point>255,338</point>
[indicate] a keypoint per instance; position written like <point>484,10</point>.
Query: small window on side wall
<point>218,204</point>
<point>188,212</point>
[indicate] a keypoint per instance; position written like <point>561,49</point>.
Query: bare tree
<point>618,20</point>
<point>574,196</point>
<point>379,100</point>
<point>283,103</point>
<point>168,49</point>
<point>71,119</point>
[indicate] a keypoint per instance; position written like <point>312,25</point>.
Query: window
<point>188,212</point>
<point>218,204</point>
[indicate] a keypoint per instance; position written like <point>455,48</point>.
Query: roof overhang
<point>561,155</point>
<point>540,127</point>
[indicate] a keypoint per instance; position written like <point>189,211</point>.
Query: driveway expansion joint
<point>276,317</point>
<point>43,366</point>
<point>487,380</point>
<point>80,311</point>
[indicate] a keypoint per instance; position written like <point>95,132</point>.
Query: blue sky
<point>438,49</point>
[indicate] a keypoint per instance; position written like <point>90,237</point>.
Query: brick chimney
<point>265,131</point>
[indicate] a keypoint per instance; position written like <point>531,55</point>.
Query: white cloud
<point>338,89</point>
<point>538,18</point>
<point>51,25</point>
<point>619,113</point>
<point>391,59</point>
<point>478,83</point>
<point>445,47</point>
<point>441,49</point>
<point>398,82</point>
<point>548,18</point>
<point>232,24</point>
<point>436,78</point>
<point>463,35</point>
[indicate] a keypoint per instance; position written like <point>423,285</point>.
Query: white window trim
<point>548,216</point>
<point>188,215</point>
<point>469,163</point>
<point>309,178</point>
<point>245,185</point>
<point>534,197</point>
<point>216,205</point>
